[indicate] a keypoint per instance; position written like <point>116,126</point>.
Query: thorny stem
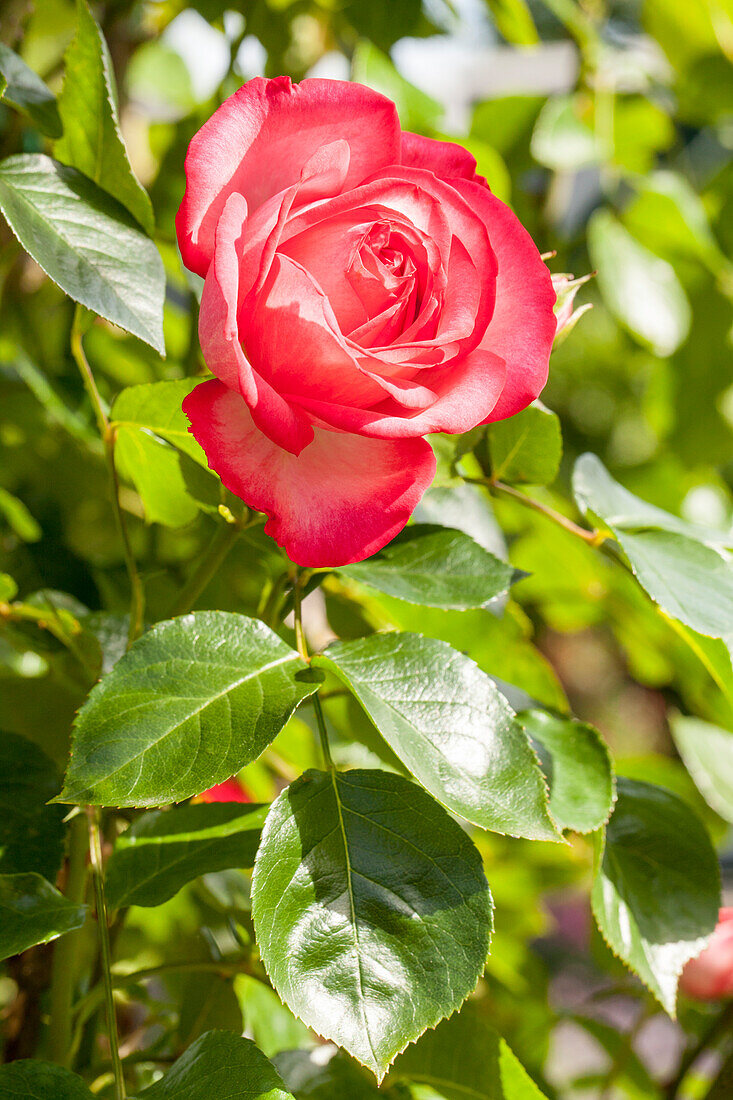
<point>593,538</point>
<point>108,435</point>
<point>97,863</point>
<point>302,647</point>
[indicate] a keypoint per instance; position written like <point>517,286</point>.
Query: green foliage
<point>370,884</point>
<point>707,751</point>
<point>527,447</point>
<point>91,139</point>
<point>25,90</point>
<point>193,701</point>
<point>656,894</point>
<point>86,242</point>
<point>42,1081</point>
<point>164,850</point>
<point>458,736</point>
<point>31,833</point>
<point>240,1070</point>
<point>435,568</point>
<point>32,911</point>
<point>578,769</point>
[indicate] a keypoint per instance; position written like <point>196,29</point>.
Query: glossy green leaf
<point>193,701</point>
<point>165,849</point>
<point>30,1079</point>
<point>86,242</point>
<point>514,21</point>
<point>33,911</point>
<point>219,1064</point>
<point>371,910</point>
<point>26,91</point>
<point>435,567</point>
<point>707,751</point>
<point>684,568</point>
<point>465,1059</point>
<point>31,832</point>
<point>640,289</point>
<point>656,891</point>
<point>578,768</point>
<point>450,726</point>
<point>526,447</point>
<point>91,140</point>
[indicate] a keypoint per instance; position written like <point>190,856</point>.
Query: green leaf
<point>450,726</point>
<point>640,289</point>
<point>597,492</point>
<point>465,1059</point>
<point>86,242</point>
<point>578,769</point>
<point>656,892</point>
<point>435,567</point>
<point>155,450</point>
<point>221,1064</point>
<point>164,850</point>
<point>208,1002</point>
<point>33,911</point>
<point>8,588</point>
<point>31,832</point>
<point>156,407</point>
<point>193,701</point>
<point>270,1023</point>
<point>18,518</point>
<point>514,21</point>
<point>91,140</point>
<point>683,568</point>
<point>33,1080</point>
<point>707,751</point>
<point>526,447</point>
<point>341,1078</point>
<point>26,91</point>
<point>371,910</point>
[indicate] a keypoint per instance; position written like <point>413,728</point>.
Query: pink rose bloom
<point>231,790</point>
<point>363,288</point>
<point>710,975</point>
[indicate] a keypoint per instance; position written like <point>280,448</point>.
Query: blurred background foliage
<point>608,126</point>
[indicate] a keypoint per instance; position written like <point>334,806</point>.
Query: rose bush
<point>363,289</point>
<point>710,975</point>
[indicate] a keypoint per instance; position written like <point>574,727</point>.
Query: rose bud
<point>710,976</point>
<point>566,287</point>
<point>363,289</point>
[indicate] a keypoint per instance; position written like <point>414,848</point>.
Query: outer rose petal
<point>523,325</point>
<point>259,140</point>
<point>342,499</point>
<point>447,160</point>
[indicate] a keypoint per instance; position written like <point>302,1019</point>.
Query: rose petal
<point>446,159</point>
<point>341,500</point>
<point>259,140</point>
<point>523,324</point>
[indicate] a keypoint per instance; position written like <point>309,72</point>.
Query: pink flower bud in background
<point>566,287</point>
<point>710,976</point>
<point>231,790</point>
